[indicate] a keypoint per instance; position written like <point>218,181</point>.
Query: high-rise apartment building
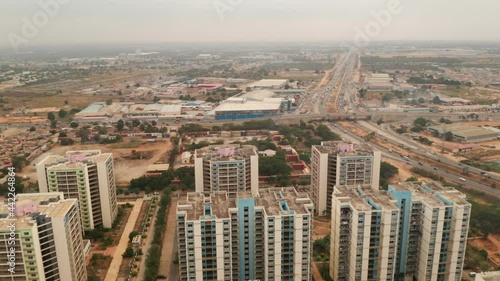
<point>364,234</point>
<point>262,237</point>
<point>338,163</point>
<point>41,239</point>
<point>434,223</point>
<point>227,168</point>
<point>410,232</point>
<point>87,176</point>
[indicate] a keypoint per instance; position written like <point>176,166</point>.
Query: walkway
<point>114,268</point>
<point>168,251</point>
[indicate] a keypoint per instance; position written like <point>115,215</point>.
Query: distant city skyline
<point>165,21</point>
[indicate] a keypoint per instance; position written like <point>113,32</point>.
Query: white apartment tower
<point>263,237</point>
<point>227,168</point>
<point>43,239</point>
<point>339,163</point>
<point>87,176</point>
<point>410,232</point>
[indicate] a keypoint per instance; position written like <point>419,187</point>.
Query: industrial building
<point>84,175</point>
<point>227,168</point>
<point>380,86</point>
<point>252,237</point>
<point>379,78</point>
<point>255,104</point>
<point>466,134</point>
<point>338,163</point>
<point>269,84</point>
<point>42,239</point>
<point>410,232</point>
<point>104,113</point>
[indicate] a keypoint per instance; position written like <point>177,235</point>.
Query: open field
<point>125,169</point>
<point>40,100</point>
<point>492,245</point>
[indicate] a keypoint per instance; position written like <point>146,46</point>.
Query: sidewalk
<point>114,268</point>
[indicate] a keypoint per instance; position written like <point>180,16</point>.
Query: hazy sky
<point>136,21</point>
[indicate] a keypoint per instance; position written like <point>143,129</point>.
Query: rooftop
<point>75,159</point>
<point>344,148</point>
<point>274,201</point>
<point>432,193</point>
<point>225,152</point>
<point>258,95</point>
<point>365,198</point>
<point>245,105</point>
<point>268,83</point>
<point>49,204</point>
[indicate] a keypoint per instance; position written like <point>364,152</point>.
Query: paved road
<point>114,268</point>
<point>169,248</point>
<point>445,174</point>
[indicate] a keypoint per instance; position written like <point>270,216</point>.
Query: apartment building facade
<point>87,176</point>
<point>263,237</point>
<point>410,232</point>
<point>46,242</point>
<point>230,168</point>
<point>337,163</point>
<point>435,224</point>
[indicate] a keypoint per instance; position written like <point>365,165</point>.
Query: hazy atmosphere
<point>114,21</point>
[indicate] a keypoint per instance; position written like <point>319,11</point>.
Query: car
<point>459,164</point>
<point>435,168</point>
<point>420,163</point>
<point>462,179</point>
<point>161,276</point>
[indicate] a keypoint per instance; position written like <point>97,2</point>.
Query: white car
<point>462,179</point>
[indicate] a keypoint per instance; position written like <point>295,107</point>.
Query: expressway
<point>394,156</point>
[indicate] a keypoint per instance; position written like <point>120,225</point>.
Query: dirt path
<point>169,246</point>
<point>114,268</point>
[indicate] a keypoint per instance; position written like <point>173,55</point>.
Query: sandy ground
<point>10,132</point>
<point>12,120</point>
<point>122,245</point>
<point>491,245</point>
<point>321,227</point>
<point>403,171</point>
<point>125,170</point>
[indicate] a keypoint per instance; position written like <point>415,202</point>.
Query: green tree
<point>436,100</point>
<point>129,252</point>
<point>74,124</point>
<point>51,116</point>
<point>132,235</point>
<point>19,162</point>
<point>119,125</point>
<point>32,129</point>
<point>448,136</point>
<point>62,113</point>
<point>387,171</point>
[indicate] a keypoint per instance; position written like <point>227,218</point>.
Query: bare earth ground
<point>125,169</point>
<point>168,248</point>
<point>12,132</point>
<point>403,171</point>
<point>321,227</point>
<point>491,245</point>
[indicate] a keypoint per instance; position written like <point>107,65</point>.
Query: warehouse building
<point>466,134</point>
